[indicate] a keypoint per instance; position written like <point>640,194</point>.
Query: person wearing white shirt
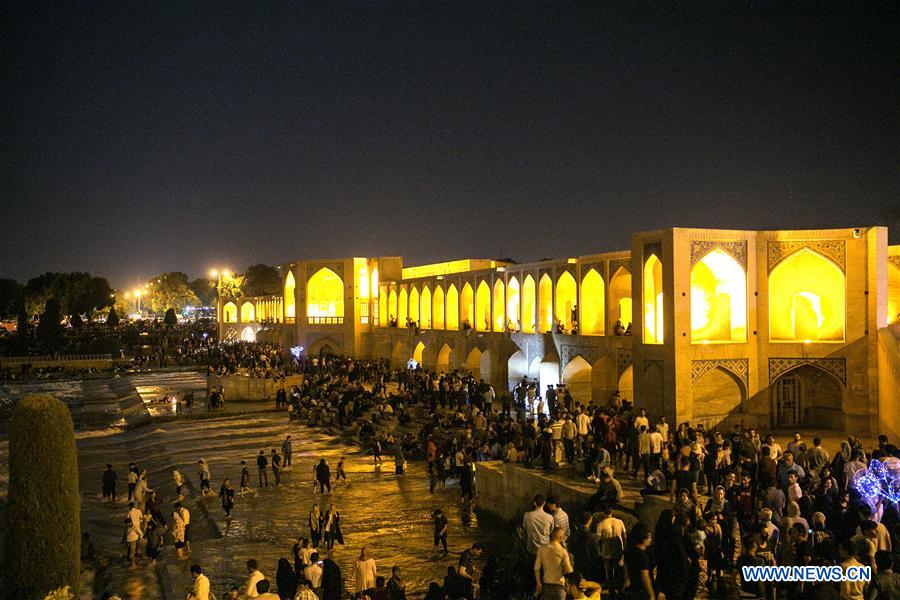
<point>538,525</point>
<point>200,591</point>
<point>135,516</point>
<point>313,572</point>
<point>550,568</point>
<point>641,419</point>
<point>612,547</point>
<point>254,577</point>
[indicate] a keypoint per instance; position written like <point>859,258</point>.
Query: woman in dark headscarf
<point>672,562</point>
<point>286,580</point>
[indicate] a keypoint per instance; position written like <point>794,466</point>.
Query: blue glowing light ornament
<point>882,480</point>
<point>296,351</point>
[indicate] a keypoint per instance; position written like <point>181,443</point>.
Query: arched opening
<point>248,311</point>
<point>452,308</point>
<point>591,313</point>
<point>577,377</point>
<point>398,356</point>
<point>402,303</point>
<point>443,359</point>
<point>229,313</point>
<point>715,395</point>
<point>512,304</point>
<point>653,301</point>
<point>653,390</point>
<point>516,368</point>
<point>374,279</point>
<point>806,299</point>
<point>414,305</point>
<point>483,307</point>
<point>566,299</point>
<point>545,304</point>
<point>473,363</point>
<point>529,318</point>
<point>417,353</point>
<point>893,315</point>
<point>718,299</point>
<point>437,308</point>
<point>426,308</point>
<point>467,307</point>
<point>808,395</point>
<point>248,335</point>
<point>364,281</point>
<point>499,303</point>
<point>549,375</point>
<point>290,301</point>
<point>626,384</point>
<point>384,306</point>
<point>325,298</point>
<point>620,296</point>
<point>392,305</point>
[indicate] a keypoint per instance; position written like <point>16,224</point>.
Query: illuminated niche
<point>806,299</point>
<point>248,311</point>
<point>290,304</point>
<point>545,300</point>
<point>437,308</point>
<point>512,303</point>
<point>620,296</point>
<point>229,312</point>
<point>483,307</point>
<point>718,299</point>
<point>325,295</point>
<point>566,299</point>
<point>591,313</point>
<point>452,308</point>
<point>499,303</point>
<point>653,301</point>
<point>529,317</point>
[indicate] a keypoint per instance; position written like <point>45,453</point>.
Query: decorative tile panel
<point>738,366</point>
<point>588,353</point>
<point>619,262</point>
<point>653,248</point>
<point>835,366</point>
<point>737,250</point>
<point>832,249</point>
<point>624,359</point>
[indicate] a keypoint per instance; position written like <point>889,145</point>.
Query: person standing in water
<point>316,521</point>
<point>226,494</point>
<point>245,479</point>
<point>332,527</point>
<point>440,531</point>
<point>323,476</point>
<point>340,474</point>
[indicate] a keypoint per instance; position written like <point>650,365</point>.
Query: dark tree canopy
<point>262,280</point>
<point>112,319</point>
<point>205,290</point>
<point>170,318</point>
<point>12,297</point>
<point>75,292</point>
<point>49,329</point>
<point>171,290</point>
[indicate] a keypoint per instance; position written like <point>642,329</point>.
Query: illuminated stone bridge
<point>764,328</point>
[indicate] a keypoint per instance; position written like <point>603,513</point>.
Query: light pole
<point>220,317</point>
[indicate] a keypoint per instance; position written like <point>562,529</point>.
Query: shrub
<point>43,529</point>
<point>112,319</point>
<point>170,318</point>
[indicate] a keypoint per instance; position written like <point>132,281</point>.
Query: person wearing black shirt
<point>262,463</point>
<point>748,558</point>
<point>440,531</point>
<point>639,563</point>
<point>672,562</point>
<point>323,476</point>
<point>109,484</point>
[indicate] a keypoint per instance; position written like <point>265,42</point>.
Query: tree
<point>262,280</point>
<point>75,292</point>
<point>170,318</point>
<point>75,320</point>
<point>231,287</point>
<point>12,296</point>
<point>171,290</point>
<point>43,526</point>
<point>112,319</point>
<point>205,290</point>
<point>22,333</point>
<point>49,329</point>
<point>36,301</point>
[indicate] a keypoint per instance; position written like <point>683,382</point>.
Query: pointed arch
<point>566,299</point>
<point>499,303</point>
<point>414,305</point>
<point>248,312</point>
<point>392,305</point>
<point>715,395</point>
<point>513,304</point>
<point>482,307</point>
<point>402,305</point>
<point>653,301</point>
<point>383,305</point>
<point>425,311</point>
<point>229,312</point>
<point>398,356</point>
<point>807,299</point>
<point>529,317</point>
<point>290,300</point>
<point>591,310</point>
<point>324,296</point>
<point>443,359</point>
<point>577,377</point>
<point>473,363</point>
<point>808,394</point>
<point>437,308</point>
<point>467,306</point>
<point>620,296</point>
<point>545,304</point>
<point>417,352</point>
<point>718,299</point>
<point>452,308</point>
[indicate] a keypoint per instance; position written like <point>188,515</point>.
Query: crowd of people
<point>731,498</point>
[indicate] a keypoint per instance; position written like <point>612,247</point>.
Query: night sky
<point>141,138</point>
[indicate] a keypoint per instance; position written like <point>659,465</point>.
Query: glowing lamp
<point>882,480</point>
<point>213,273</point>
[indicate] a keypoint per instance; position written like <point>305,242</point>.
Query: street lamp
<point>137,295</point>
<point>218,275</point>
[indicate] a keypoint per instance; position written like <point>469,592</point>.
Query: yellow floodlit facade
<point>761,328</point>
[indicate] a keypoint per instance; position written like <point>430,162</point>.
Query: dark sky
<point>140,138</point>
